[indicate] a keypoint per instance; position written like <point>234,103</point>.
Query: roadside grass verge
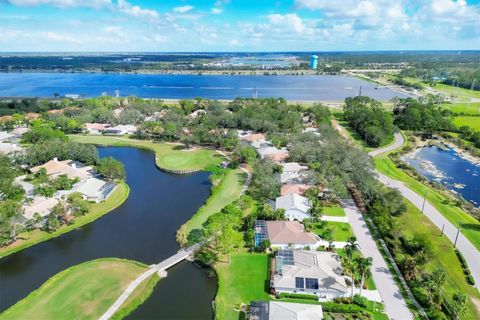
<point>168,156</point>
<point>414,222</point>
<point>224,194</point>
<point>243,280</point>
<point>96,210</point>
<point>472,122</point>
<point>470,226</point>
<point>334,211</point>
<point>84,291</point>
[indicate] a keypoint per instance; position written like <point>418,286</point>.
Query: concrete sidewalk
<point>395,306</point>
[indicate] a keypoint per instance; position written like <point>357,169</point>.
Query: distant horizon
<point>213,52</point>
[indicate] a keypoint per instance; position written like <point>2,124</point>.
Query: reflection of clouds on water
<point>445,166</point>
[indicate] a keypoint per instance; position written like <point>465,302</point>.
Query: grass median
<point>84,291</point>
<point>96,210</point>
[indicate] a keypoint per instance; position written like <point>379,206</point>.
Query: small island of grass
<point>84,291</point>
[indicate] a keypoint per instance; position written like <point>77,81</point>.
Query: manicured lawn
<point>228,191</point>
<point>242,280</point>
<point>443,256</point>
<point>466,108</point>
<point>461,94</point>
<point>335,211</point>
<point>168,156</point>
<point>472,122</point>
<point>96,210</point>
<point>470,228</point>
<point>341,231</point>
<point>84,291</point>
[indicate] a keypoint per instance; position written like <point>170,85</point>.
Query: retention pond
<point>142,229</point>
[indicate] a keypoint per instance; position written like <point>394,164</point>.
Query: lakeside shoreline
<point>38,236</point>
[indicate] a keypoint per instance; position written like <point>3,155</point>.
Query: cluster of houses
<point>90,186</point>
<point>10,141</point>
<point>298,268</point>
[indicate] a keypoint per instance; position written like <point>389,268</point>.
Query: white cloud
<point>216,10</point>
<point>290,21</point>
<point>136,11</point>
<point>62,3</point>
<point>183,9</point>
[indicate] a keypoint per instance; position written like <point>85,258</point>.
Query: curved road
<point>471,254</point>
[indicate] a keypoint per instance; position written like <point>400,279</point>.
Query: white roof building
<point>5,135</point>
<point>7,148</point>
<point>276,310</point>
<point>296,207</point>
<point>310,272</point>
<point>95,189</point>
<point>121,129</point>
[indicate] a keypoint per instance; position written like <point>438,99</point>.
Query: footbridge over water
<point>164,265</point>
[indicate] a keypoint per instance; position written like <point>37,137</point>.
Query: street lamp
<point>456,237</point>
<point>424,199</point>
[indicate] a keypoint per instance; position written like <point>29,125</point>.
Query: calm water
<point>299,88</point>
<point>142,229</point>
<point>449,169</point>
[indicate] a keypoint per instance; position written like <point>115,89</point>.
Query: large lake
<point>450,169</point>
<point>142,229</point>
<point>296,88</point>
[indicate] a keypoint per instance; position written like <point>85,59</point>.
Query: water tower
<point>313,62</point>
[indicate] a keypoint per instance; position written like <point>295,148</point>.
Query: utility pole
<point>424,199</point>
<point>456,237</point>
<point>443,228</point>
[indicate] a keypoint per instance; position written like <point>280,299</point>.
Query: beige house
<point>283,234</point>
<point>72,169</point>
<point>276,310</point>
<point>40,205</point>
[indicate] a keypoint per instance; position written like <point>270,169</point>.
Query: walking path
<point>165,264</point>
<point>395,306</point>
<point>471,254</point>
<point>334,219</point>
<point>249,174</point>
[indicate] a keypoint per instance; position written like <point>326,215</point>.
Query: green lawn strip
<point>243,280</point>
<point>334,211</point>
<point>137,298</point>
<point>472,122</point>
<point>168,156</point>
<point>470,226</point>
<point>465,107</point>
<point>461,94</point>
<point>341,230</point>
<point>224,194</point>
<point>414,222</point>
<point>84,291</point>
<point>96,210</point>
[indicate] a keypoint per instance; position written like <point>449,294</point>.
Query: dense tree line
<point>368,118</point>
<point>427,118</point>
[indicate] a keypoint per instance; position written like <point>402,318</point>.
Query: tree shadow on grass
<point>471,226</point>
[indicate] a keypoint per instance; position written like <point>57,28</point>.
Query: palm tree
<point>363,267</point>
<point>350,248</point>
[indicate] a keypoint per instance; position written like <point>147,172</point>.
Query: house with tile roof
<point>284,234</point>
<point>309,272</point>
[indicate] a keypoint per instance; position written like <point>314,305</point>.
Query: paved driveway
<point>395,306</point>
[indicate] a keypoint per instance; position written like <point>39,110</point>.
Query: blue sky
<point>238,25</point>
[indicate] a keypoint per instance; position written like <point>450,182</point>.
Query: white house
<point>121,130</point>
<point>276,310</point>
<point>96,128</point>
<point>94,189</point>
<point>296,207</point>
<point>309,272</point>
<point>7,148</point>
<point>292,172</point>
